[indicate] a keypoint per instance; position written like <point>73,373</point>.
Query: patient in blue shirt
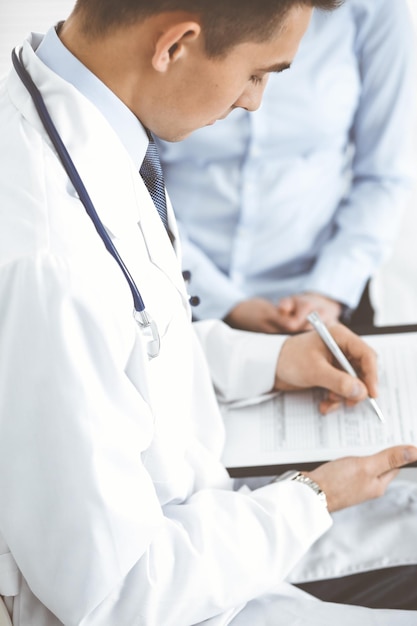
<point>294,208</point>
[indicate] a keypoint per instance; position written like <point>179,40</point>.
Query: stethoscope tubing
<point>74,177</point>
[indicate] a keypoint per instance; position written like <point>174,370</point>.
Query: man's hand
<point>293,311</point>
<point>352,480</point>
<point>289,315</point>
<point>306,362</point>
<point>256,314</point>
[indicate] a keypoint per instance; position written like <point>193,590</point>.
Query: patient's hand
<point>256,314</point>
<point>293,311</point>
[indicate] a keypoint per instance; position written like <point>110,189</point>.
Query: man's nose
<point>251,97</point>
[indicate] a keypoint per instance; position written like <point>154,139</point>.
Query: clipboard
<point>287,430</point>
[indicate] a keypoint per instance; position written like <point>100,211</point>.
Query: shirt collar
<point>60,60</point>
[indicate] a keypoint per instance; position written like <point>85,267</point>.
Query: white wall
<point>19,17</point>
<point>395,288</point>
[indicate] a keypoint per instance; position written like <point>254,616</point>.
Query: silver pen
<point>323,332</point>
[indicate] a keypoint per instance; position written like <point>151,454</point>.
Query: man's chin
<point>180,136</point>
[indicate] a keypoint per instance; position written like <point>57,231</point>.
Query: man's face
<point>199,90</point>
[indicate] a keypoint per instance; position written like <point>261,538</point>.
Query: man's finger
<point>363,360</point>
<point>286,305</point>
<point>342,384</point>
<point>328,406</point>
<point>386,478</point>
<point>393,458</point>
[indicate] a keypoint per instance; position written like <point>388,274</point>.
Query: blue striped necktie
<point>151,172</point>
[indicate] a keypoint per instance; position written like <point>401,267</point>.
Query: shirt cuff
<point>242,364</point>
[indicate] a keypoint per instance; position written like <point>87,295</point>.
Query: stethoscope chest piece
<point>149,331</point>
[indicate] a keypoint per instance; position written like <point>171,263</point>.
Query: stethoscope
<point>143,319</point>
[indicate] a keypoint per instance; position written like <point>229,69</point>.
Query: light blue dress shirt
<point>60,60</point>
<point>307,193</point>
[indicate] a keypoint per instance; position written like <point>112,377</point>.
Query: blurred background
<point>394,289</point>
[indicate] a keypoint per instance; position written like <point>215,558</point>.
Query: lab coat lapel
<point>109,175</point>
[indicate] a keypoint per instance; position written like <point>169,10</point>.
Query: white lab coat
<point>115,507</point>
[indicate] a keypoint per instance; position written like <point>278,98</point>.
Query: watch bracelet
<point>298,476</point>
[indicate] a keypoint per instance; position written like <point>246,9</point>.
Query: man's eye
<point>255,80</point>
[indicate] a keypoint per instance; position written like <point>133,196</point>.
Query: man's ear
<point>172,43</point>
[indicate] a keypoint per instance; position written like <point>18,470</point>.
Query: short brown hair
<point>225,23</point>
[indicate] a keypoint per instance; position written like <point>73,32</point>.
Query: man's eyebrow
<point>279,67</point>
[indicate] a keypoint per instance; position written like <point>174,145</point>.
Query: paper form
<point>289,428</point>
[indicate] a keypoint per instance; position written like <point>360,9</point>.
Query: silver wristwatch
<point>305,480</point>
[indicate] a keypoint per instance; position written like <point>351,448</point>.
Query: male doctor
<point>115,507</point>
